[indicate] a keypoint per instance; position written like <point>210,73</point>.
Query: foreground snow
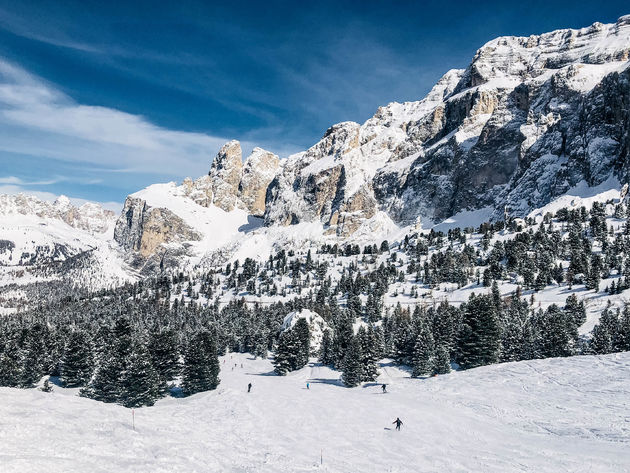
<point>549,415</point>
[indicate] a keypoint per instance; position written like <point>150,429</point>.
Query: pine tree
<point>343,334</point>
<point>164,350</point>
<point>32,356</point>
<point>201,365</point>
<point>623,336</point>
<point>369,354</point>
<point>423,352</point>
<point>557,333</point>
<point>76,362</point>
<point>302,336</point>
<point>480,337</point>
<point>606,332</point>
<point>352,369</point>
<point>576,310</point>
<point>441,361</point>
<point>594,274</point>
<point>106,384</point>
<point>141,381</point>
<point>285,353</point>
<point>517,334</point>
<point>10,368</point>
<point>326,349</point>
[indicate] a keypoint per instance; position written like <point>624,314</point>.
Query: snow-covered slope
<point>565,414</point>
<point>44,241</point>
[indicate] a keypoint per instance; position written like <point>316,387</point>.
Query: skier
<point>308,385</point>
<point>398,423</point>
<point>384,387</point>
<point>249,387</point>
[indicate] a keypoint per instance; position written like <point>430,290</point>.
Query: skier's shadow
<point>387,428</point>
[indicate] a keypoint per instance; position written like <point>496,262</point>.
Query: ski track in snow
<point>564,414</point>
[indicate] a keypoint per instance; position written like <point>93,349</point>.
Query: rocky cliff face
<point>149,221</point>
<point>144,229</point>
<point>528,119</point>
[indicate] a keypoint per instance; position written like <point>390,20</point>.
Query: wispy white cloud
<point>18,181</point>
<point>39,120</point>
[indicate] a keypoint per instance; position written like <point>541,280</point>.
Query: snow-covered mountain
<point>526,122</point>
<point>46,241</point>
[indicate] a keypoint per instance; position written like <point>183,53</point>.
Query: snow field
<point>567,414</point>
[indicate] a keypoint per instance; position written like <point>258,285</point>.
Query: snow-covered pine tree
<point>352,368</point>
<point>77,362</point>
<point>164,349</point>
<point>479,342</point>
<point>606,332</point>
<point>141,383</point>
<point>10,367</point>
<point>106,384</point>
<point>302,335</point>
<point>441,361</point>
<point>369,356</point>
<point>576,310</point>
<point>326,349</point>
<point>423,352</point>
<point>557,333</point>
<point>285,353</point>
<point>201,365</point>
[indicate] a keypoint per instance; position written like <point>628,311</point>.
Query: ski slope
<point>570,414</point>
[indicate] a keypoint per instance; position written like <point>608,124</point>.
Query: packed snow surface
<point>566,414</point>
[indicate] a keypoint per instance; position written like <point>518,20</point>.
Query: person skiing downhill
<point>249,387</point>
<point>308,385</point>
<point>384,387</point>
<point>398,423</point>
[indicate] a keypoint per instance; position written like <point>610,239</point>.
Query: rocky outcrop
<point>225,175</point>
<point>231,184</point>
<point>528,119</point>
<point>143,229</point>
<point>258,171</point>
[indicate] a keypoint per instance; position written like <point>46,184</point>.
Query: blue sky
<point>99,99</point>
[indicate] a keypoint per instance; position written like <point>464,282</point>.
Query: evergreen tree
<point>285,353</point>
<point>606,332</point>
<point>164,350</point>
<point>352,369</point>
<point>302,336</point>
<point>576,310</point>
<point>76,362</point>
<point>141,381</point>
<point>480,338</point>
<point>423,353</point>
<point>10,368</point>
<point>557,333</point>
<point>369,354</point>
<point>441,361</point>
<point>201,365</point>
<point>326,356</point>
<point>517,335</point>
<point>32,357</point>
<point>106,384</point>
<point>594,274</point>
